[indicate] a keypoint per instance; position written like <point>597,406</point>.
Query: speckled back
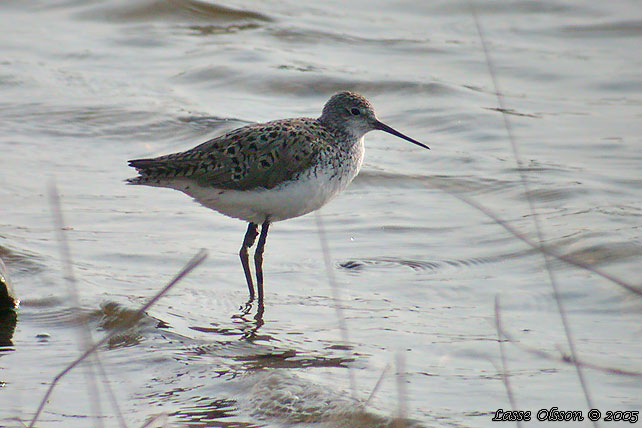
<point>258,155</point>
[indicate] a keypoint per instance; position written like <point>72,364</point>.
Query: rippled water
<point>87,85</point>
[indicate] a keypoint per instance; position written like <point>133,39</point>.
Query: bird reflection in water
<point>247,325</point>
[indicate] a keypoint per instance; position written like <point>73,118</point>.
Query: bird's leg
<point>248,241</point>
<point>258,259</point>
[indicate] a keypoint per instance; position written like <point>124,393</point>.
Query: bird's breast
<point>308,191</point>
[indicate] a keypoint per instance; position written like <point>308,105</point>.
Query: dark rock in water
<point>8,319</point>
<point>8,304</point>
<point>7,299</point>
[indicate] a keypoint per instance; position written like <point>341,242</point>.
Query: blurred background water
<point>86,85</point>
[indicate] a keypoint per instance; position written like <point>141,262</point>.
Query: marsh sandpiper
<point>273,171</point>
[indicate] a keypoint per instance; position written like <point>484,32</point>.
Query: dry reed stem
<point>84,334</point>
<point>504,372</point>
<point>336,297</point>
<point>191,264</point>
<point>538,228</point>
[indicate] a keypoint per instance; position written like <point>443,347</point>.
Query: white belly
<point>309,192</point>
<point>291,199</point>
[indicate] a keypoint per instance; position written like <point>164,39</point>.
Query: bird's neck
<point>343,136</point>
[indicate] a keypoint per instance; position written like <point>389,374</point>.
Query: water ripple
<point>174,10</point>
<point>305,36</point>
<point>605,253</point>
<point>421,265</point>
<point>458,184</point>
<point>617,29</point>
<point>20,263</point>
<point>286,397</point>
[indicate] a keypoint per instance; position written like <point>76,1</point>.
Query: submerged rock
<point>7,298</point>
<point>8,305</point>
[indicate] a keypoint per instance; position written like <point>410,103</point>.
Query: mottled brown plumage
<point>272,171</point>
<point>259,155</point>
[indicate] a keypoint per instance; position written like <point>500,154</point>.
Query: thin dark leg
<point>248,241</point>
<point>258,259</point>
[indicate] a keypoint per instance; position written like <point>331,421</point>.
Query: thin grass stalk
<point>504,372</point>
<point>538,228</point>
<point>336,296</point>
<point>191,264</point>
<point>84,334</point>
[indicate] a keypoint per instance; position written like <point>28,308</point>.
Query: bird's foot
<point>245,309</point>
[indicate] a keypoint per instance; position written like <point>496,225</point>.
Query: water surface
<point>87,85</point>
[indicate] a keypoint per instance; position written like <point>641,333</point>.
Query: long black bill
<point>383,127</point>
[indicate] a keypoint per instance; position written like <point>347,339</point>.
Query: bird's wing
<point>259,155</point>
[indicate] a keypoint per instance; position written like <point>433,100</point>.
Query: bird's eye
<point>355,111</point>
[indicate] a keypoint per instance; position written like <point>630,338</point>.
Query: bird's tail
<point>146,169</point>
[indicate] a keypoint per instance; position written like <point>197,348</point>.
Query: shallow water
<point>87,85</point>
